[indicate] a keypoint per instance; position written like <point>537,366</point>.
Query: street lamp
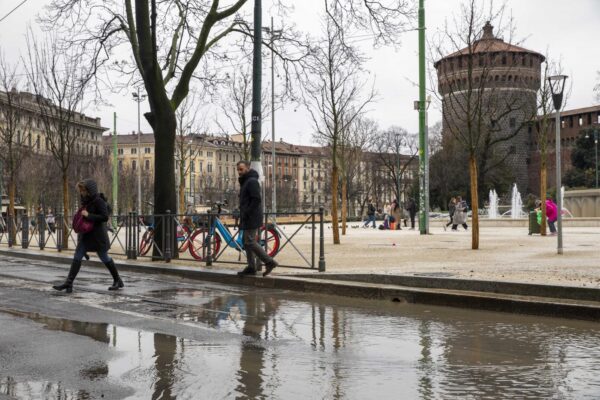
<point>137,97</point>
<point>557,87</point>
<point>587,136</point>
<point>423,107</point>
<point>398,143</point>
<point>274,34</point>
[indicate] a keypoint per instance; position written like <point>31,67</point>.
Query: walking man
<point>411,207</point>
<point>370,215</point>
<point>251,219</point>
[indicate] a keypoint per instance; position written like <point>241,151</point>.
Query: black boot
<point>270,267</point>
<point>247,271</point>
<point>68,285</point>
<point>117,282</point>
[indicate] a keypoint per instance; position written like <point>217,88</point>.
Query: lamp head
<point>557,87</point>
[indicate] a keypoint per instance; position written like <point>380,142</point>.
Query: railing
<point>164,237</point>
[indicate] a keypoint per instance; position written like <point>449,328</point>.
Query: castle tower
<point>501,80</point>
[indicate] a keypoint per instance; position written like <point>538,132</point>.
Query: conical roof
<point>490,44</point>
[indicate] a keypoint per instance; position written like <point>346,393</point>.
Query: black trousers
<point>254,250</point>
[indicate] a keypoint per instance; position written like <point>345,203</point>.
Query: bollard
<point>207,240</point>
<point>321,242</point>
<point>42,231</point>
<point>25,231</point>
<point>59,232</point>
<point>167,236</point>
<point>11,231</point>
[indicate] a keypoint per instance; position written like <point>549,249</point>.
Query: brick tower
<point>502,80</point>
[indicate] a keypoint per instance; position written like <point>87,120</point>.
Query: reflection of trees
<point>165,349</point>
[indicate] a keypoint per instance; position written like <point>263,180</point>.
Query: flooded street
<point>166,338</point>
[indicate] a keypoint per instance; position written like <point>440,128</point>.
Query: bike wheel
<point>146,242</point>
<point>273,241</point>
<point>199,244</point>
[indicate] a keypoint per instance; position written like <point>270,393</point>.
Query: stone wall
<point>583,203</point>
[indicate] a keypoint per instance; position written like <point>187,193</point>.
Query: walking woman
<point>460,214</point>
<point>451,210</point>
<point>95,210</point>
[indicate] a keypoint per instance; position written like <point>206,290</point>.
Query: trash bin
<point>534,227</point>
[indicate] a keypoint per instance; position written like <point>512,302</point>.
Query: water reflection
<point>302,349</point>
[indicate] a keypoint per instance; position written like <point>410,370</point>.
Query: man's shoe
<point>247,271</point>
<point>270,267</point>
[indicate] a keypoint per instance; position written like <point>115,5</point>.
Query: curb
<point>520,298</point>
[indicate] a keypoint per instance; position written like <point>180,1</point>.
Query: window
<point>147,150</point>
<point>220,156</point>
<point>209,154</point>
<point>226,157</point>
<point>147,165</point>
<point>305,187</point>
<point>481,60</point>
<point>120,164</point>
<point>133,165</point>
<point>209,167</point>
<point>200,166</point>
<point>523,59</point>
<point>133,150</point>
<point>200,153</point>
<point>37,142</point>
<point>120,152</point>
<point>193,166</point>
<point>504,59</point>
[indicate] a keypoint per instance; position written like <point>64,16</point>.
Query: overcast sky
<point>569,30</point>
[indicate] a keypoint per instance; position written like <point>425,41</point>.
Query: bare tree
<point>335,98</point>
<point>15,130</point>
<point>59,78</point>
<point>478,112</point>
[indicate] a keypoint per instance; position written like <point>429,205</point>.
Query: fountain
<point>516,209</point>
<point>493,207</point>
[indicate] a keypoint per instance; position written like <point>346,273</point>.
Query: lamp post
<point>274,34</point>
<point>557,87</point>
<point>398,143</point>
<point>587,136</point>
<point>139,98</point>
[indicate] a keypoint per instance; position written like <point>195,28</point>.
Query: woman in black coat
<point>95,209</point>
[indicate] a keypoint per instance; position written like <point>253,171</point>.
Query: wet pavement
<point>167,338</point>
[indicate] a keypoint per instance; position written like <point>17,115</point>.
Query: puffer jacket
<point>251,213</point>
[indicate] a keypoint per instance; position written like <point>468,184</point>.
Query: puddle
<point>308,349</point>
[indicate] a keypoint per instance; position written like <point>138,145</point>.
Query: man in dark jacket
<point>251,219</point>
<point>411,207</point>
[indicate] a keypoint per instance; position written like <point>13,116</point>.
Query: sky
<point>568,30</point>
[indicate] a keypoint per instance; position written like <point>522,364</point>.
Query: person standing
<point>411,207</point>
<point>95,210</point>
<point>551,215</point>
<point>251,219</point>
<point>397,214</point>
<point>50,221</point>
<point>370,215</point>
<point>460,214</point>
<point>451,210</point>
<point>387,213</point>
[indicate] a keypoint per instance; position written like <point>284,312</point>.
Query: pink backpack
<point>80,224</point>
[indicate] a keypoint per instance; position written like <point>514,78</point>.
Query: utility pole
<point>115,171</point>
<point>273,32</point>
<point>256,93</point>
<point>139,98</point>
<point>423,151</point>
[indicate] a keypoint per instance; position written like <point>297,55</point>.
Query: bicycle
<point>183,238</point>
<point>219,232</point>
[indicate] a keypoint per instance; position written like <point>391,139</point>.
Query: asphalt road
<point>166,338</point>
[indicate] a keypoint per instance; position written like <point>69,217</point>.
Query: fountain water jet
<point>493,207</point>
<point>516,209</point>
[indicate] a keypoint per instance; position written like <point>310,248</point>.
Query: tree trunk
<point>66,207</point>
<point>181,193</point>
<point>543,188</point>
<point>474,203</point>
<point>334,205</point>
<point>165,199</point>
<point>344,205</point>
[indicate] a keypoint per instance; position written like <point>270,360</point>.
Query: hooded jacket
<point>97,239</point>
<point>251,214</point>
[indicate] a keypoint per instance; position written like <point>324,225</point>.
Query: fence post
<point>167,227</point>
<point>128,235</point>
<point>59,231</point>
<point>321,242</point>
<point>312,239</point>
<point>207,240</point>
<point>25,231</point>
<point>136,236</point>
<point>42,230</point>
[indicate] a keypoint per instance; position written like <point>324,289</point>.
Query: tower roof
<point>490,44</point>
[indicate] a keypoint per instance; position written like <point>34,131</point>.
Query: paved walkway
<point>505,254</point>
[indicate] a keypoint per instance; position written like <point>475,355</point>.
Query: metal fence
<point>209,238</point>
